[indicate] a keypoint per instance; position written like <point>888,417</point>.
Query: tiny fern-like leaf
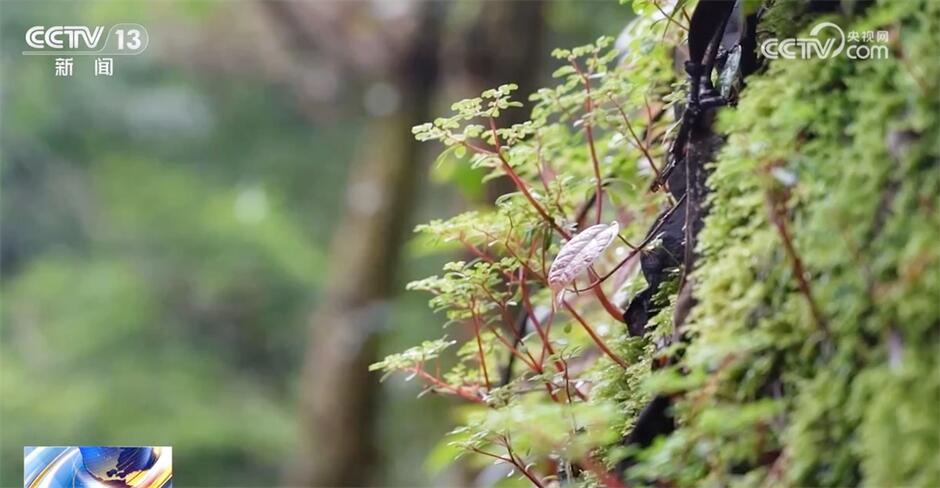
<point>579,253</point>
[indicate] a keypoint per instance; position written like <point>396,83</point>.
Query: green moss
<point>781,401</point>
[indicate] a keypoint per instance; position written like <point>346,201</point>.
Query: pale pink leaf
<point>580,253</point>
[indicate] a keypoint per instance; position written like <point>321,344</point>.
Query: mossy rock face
<point>848,149</point>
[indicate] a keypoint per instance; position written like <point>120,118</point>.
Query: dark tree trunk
<point>338,391</point>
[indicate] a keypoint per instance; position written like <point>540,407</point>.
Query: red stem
<point>476,331</point>
<point>504,312</point>
<point>527,305</point>
<point>589,131</point>
<point>639,248</point>
<point>532,365</point>
<point>523,188</point>
<point>513,253</point>
<point>779,220</point>
<point>609,480</point>
<point>560,365</point>
<point>457,390</point>
<point>594,336</point>
<point>520,464</point>
<point>611,309</point>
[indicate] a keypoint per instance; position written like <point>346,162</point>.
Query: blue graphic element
<point>97,467</point>
<point>116,463</point>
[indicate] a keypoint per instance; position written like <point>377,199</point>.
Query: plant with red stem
<point>528,255</point>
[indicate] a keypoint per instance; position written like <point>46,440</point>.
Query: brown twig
<point>597,340</point>
<point>589,132</point>
<point>779,220</point>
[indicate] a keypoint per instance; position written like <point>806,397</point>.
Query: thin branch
<point>441,385</point>
<point>609,307</point>
<point>779,220</point>
<point>589,132</point>
<point>636,139</point>
<point>520,465</point>
<point>594,336</point>
<point>532,365</point>
<point>670,17</point>
<point>482,359</point>
<point>521,186</point>
<point>649,238</point>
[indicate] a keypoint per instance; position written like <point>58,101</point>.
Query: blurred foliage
<point>163,236</point>
<point>163,244</point>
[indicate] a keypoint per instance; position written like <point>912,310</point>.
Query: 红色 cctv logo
<point>814,47</point>
<point>126,38</point>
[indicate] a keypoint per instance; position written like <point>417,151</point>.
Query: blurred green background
<point>168,233</point>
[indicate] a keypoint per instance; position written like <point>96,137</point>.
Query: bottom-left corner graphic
<point>97,467</point>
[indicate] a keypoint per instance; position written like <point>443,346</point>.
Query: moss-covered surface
<point>849,149</point>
